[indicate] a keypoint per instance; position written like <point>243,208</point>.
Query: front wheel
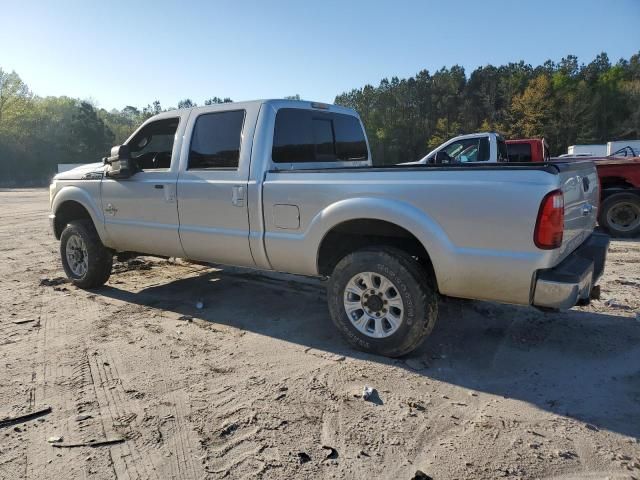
<point>620,214</point>
<point>86,261</point>
<point>382,301</point>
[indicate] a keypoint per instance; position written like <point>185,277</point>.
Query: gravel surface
<point>257,383</point>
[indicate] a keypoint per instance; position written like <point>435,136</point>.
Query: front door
<point>141,212</point>
<point>212,188</point>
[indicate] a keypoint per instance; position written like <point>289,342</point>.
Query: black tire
<point>614,201</point>
<point>415,286</point>
<point>100,259</point>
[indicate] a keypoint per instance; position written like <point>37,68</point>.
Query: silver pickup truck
<point>289,186</point>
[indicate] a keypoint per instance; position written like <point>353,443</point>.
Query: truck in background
<point>620,195</point>
<point>618,173</point>
<point>587,150</point>
<point>622,148</point>
<point>528,150</point>
<point>485,147</point>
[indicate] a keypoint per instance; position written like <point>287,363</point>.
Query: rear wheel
<point>86,261</point>
<point>382,301</point>
<point>620,214</point>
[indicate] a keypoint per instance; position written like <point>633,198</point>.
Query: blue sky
<point>121,53</point>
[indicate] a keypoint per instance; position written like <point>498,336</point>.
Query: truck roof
<point>473,135</point>
<point>524,140</point>
<point>279,103</point>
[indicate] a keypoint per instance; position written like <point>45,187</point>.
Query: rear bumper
<point>571,281</point>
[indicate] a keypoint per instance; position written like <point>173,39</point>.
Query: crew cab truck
<point>289,186</point>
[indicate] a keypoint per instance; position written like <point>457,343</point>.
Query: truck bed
<point>476,221</point>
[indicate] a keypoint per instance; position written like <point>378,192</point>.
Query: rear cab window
<point>519,152</point>
<point>309,136</point>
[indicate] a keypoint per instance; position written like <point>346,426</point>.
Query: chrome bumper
<point>571,281</point>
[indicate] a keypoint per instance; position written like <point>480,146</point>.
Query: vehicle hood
<point>90,171</point>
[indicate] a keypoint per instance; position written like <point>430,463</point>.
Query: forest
<point>567,102</point>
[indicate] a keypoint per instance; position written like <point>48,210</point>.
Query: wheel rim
<point>77,257</point>
<point>373,304</point>
<point>624,216</point>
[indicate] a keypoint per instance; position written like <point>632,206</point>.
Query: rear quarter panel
<point>476,225</point>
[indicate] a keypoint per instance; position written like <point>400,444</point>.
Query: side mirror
<point>120,164</point>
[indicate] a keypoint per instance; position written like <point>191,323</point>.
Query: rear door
<point>579,183</point>
<point>213,181</point>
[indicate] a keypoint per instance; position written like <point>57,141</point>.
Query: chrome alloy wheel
<point>373,304</point>
<point>77,257</point>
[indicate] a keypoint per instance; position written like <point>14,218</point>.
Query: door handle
<point>237,195</point>
<point>158,186</point>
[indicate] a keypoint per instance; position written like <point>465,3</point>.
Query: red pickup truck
<point>619,179</point>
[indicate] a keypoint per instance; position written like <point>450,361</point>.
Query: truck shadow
<point>578,364</point>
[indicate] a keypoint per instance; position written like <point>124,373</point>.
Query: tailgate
<point>579,183</point>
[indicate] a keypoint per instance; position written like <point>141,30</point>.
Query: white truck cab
<point>487,147</point>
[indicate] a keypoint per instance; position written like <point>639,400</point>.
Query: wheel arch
<point>357,223</point>
<point>72,203</point>
<point>614,184</point>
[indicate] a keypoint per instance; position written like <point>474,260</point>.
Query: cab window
<point>152,147</point>
<point>469,150</point>
<point>309,136</point>
<point>216,141</point>
<point>519,152</point>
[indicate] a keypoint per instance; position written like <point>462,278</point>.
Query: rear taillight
<point>550,223</point>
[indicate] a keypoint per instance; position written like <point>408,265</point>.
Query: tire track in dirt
<point>234,443</point>
<point>62,378</point>
<point>169,444</point>
<point>171,413</point>
<point>117,414</point>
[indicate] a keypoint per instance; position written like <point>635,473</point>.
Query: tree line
<point>38,133</point>
<point>566,102</point>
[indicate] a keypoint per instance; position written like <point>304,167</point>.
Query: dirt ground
<point>257,383</point>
